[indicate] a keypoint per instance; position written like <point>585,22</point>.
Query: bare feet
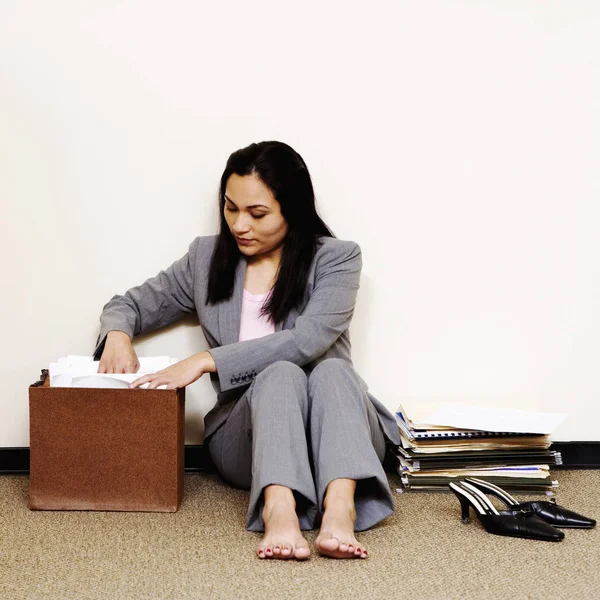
<point>283,538</point>
<point>336,537</point>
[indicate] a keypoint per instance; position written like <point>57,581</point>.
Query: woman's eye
<point>235,210</point>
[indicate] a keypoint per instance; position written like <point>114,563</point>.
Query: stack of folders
<point>430,456</point>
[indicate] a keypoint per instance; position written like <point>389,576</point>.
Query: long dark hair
<point>285,173</point>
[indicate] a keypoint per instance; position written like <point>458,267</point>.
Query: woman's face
<point>252,213</point>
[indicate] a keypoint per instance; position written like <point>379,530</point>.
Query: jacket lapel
<point>230,311</point>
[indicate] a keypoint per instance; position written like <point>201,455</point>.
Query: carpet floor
<point>423,551</point>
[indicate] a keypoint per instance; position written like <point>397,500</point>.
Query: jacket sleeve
<point>326,316</point>
<point>155,303</point>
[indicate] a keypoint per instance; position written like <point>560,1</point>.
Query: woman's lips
<point>243,241</point>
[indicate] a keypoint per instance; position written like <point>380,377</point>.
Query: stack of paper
<point>82,371</point>
<point>508,447</point>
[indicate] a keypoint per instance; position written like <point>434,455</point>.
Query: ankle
<point>275,495</point>
<point>340,490</point>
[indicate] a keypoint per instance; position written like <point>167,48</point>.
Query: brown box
<point>105,449</point>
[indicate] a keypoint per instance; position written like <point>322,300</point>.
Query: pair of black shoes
<point>534,520</point>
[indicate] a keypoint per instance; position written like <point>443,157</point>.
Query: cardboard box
<point>105,449</point>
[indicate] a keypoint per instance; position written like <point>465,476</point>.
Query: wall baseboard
<point>575,455</point>
<point>15,461</point>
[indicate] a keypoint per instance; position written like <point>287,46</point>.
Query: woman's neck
<point>266,260</point>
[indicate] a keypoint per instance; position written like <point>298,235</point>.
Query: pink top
<point>252,324</point>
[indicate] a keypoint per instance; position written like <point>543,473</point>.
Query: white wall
<point>457,142</point>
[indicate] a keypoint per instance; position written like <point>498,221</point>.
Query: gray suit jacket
<point>316,331</point>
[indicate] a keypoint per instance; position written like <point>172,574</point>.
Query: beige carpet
<point>203,551</point>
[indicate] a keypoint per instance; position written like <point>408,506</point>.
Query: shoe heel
<point>464,505</point>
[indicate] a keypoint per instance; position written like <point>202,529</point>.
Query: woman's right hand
<point>118,355</point>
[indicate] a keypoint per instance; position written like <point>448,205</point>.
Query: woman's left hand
<point>178,375</point>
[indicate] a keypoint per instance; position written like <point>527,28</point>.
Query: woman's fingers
<point>153,381</point>
<point>140,381</point>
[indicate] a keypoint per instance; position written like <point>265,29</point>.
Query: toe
<point>302,551</point>
<point>287,551</point>
<point>277,550</point>
<point>330,544</point>
<point>261,553</point>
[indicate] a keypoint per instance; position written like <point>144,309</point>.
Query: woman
<point>274,292</point>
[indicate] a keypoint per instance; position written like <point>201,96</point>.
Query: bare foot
<point>336,538</point>
<point>283,538</point>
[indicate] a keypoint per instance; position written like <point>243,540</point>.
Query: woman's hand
<point>178,375</point>
<point>118,355</point>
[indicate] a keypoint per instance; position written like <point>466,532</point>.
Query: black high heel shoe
<point>548,511</point>
<point>518,523</point>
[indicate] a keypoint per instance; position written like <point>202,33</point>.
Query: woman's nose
<point>241,224</point>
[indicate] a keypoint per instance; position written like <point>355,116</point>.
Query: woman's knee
<point>281,383</point>
<point>283,370</point>
<point>327,370</point>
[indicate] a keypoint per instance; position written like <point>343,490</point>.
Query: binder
<point>476,462</point>
<point>514,485</point>
<point>449,433</point>
<point>463,434</point>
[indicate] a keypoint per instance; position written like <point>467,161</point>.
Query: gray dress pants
<point>303,431</point>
